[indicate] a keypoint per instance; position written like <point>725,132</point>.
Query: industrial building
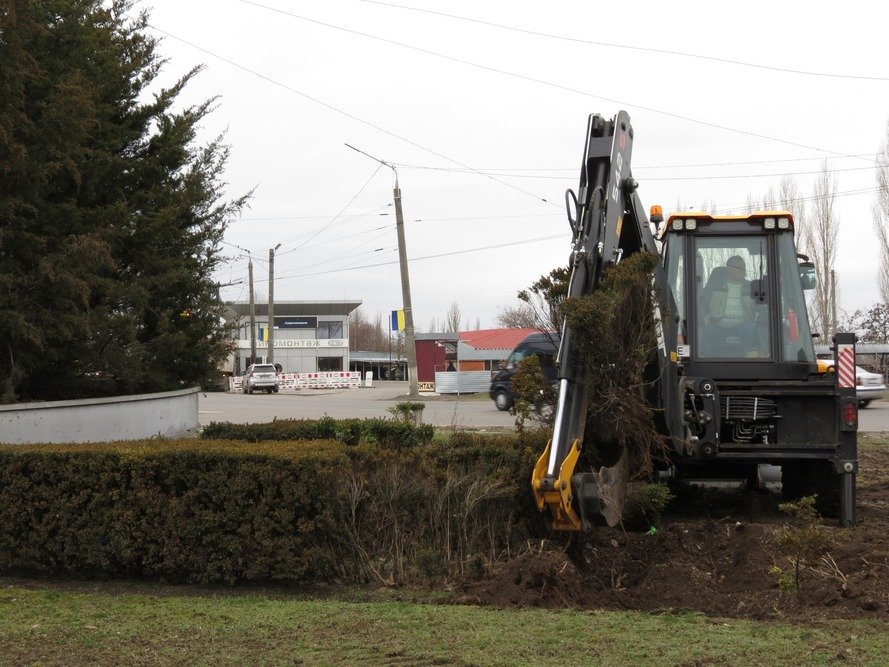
<point>309,336</point>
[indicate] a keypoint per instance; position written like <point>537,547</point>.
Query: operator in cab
<point>730,308</point>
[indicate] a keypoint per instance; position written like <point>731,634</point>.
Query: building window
<point>329,330</point>
<point>328,364</point>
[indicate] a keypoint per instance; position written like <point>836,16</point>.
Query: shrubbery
<point>374,504</point>
<point>387,433</point>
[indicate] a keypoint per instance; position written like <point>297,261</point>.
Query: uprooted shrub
<point>535,396</point>
<point>615,339</point>
<point>227,511</point>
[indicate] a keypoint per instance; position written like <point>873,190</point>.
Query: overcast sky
<point>483,106</point>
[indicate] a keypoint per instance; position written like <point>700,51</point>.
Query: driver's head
<point>737,270</point>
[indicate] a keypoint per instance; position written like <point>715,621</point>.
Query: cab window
<point>731,281</point>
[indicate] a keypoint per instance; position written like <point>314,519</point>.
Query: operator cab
<point>738,285</point>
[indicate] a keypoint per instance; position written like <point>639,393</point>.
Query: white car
<point>262,377</point>
<point>868,386</point>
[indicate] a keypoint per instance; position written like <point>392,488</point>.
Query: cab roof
<point>709,217</point>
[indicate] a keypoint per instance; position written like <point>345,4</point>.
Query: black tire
<point>502,400</point>
<point>269,390</point>
<point>863,404</point>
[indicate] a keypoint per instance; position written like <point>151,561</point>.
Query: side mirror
<point>807,275</point>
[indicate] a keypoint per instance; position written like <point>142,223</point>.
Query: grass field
<point>43,623</point>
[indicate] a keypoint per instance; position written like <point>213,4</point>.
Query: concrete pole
<point>414,384</point>
<point>271,348</point>
<point>833,303</point>
<point>252,313</point>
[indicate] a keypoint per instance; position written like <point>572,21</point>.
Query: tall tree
<point>111,213</point>
<point>880,213</point>
<point>453,318</point>
<point>822,235</point>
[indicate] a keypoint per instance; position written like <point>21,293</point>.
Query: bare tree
<point>880,212</point>
<point>824,230</point>
<point>790,199</point>
<point>517,317</point>
<point>367,335</point>
<point>453,318</point>
<point>770,201</point>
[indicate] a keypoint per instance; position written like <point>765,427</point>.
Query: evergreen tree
<point>110,213</point>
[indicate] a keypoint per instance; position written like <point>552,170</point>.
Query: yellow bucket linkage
<point>557,495</point>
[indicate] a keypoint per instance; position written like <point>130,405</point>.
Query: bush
<point>384,432</point>
<point>408,411</point>
<point>216,514</point>
<point>645,505</point>
<point>227,510</point>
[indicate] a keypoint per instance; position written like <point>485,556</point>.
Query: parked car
<point>869,386</point>
<point>544,346</point>
<point>262,377</point>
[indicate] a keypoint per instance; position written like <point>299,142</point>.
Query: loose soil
<point>715,556</point>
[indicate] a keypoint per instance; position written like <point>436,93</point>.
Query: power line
<point>443,254</point>
<point>656,166</point>
<point>648,178</point>
<point>612,45</point>
<point>332,220</point>
<point>317,217</point>
<point>542,82</point>
<point>845,193</point>
<point>345,113</point>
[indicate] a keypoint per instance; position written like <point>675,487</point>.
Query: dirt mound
<point>716,556</point>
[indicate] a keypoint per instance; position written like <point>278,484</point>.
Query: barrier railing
<point>297,381</point>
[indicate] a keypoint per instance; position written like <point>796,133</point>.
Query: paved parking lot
<point>471,411</point>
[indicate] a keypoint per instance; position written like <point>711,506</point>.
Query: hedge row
<point>227,511</point>
<point>384,432</point>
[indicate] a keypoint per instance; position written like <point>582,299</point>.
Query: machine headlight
<point>691,224</point>
<point>769,223</point>
<point>783,223</point>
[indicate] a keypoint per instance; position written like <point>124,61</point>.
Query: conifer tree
<point>111,212</point>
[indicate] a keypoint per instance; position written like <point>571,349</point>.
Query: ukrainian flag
<point>397,323</point>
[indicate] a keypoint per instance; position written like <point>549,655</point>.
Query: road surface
<point>470,411</point>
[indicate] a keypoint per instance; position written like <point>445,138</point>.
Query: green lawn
<point>44,624</point>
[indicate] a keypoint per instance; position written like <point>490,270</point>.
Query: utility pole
<point>414,384</point>
<point>271,344</point>
<point>252,312</point>
<point>411,351</point>
<point>833,303</point>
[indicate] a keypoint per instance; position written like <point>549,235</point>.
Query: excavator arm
<point>609,224</point>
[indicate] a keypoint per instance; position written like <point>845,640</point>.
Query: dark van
<point>544,345</point>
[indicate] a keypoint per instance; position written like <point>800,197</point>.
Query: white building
<point>309,336</point>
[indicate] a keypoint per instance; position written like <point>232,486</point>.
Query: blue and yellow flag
<point>397,323</point>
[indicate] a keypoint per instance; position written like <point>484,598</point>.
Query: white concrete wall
<point>171,414</point>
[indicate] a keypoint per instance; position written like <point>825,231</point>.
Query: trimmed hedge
<point>384,432</point>
<point>227,511</point>
<point>217,513</point>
